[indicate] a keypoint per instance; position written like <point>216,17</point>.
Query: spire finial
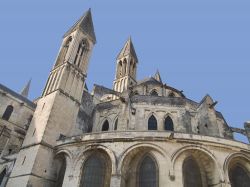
<point>128,49</point>
<point>158,76</point>
<point>25,90</point>
<point>85,24</point>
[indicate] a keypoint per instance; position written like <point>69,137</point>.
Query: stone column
<point>247,128</point>
<point>115,180</point>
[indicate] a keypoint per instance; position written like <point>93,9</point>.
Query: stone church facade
<point>137,134</point>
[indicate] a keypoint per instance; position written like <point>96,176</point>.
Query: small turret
<point>25,90</point>
<point>126,67</point>
<point>158,76</point>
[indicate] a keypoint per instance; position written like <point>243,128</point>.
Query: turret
<point>126,66</point>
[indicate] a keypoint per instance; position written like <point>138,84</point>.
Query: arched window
<point>8,112</point>
<point>154,93</point>
<point>124,67</point>
<point>148,173</point>
<point>239,176</point>
<point>116,124</point>
<point>168,124</point>
<point>171,94</point>
<point>152,123</point>
<point>134,93</point>
<point>105,126</point>
<point>80,51</point>
<point>119,69</point>
<point>61,171</point>
<point>191,173</point>
<point>93,173</point>
<point>131,67</point>
<point>134,70</point>
<point>2,175</point>
<point>64,51</point>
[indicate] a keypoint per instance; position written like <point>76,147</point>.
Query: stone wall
<point>126,149</point>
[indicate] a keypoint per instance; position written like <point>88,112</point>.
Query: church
<point>140,133</point>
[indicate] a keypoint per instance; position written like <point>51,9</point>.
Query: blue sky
<point>199,46</point>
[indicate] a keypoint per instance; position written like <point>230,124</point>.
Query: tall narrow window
<point>8,112</point>
<point>119,71</point>
<point>93,174</point>
<point>116,124</point>
<point>131,67</point>
<point>105,126</point>
<point>239,176</point>
<point>2,175</point>
<point>148,173</point>
<point>64,51</point>
<point>152,123</point>
<point>191,173</point>
<point>134,70</point>
<point>124,67</point>
<point>168,124</point>
<point>80,52</point>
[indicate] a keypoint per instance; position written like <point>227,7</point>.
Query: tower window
<point>119,69</point>
<point>80,52</point>
<point>148,173</point>
<point>134,70</point>
<point>8,112</point>
<point>105,126</point>
<point>168,124</point>
<point>125,67</point>
<point>64,51</point>
<point>152,123</point>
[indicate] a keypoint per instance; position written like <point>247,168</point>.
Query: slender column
<point>115,180</point>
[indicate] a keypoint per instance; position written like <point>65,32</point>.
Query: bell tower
<point>57,109</point>
<point>70,70</point>
<point>126,66</point>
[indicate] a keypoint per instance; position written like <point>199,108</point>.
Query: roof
<point>128,49</point>
<point>85,24</point>
<point>154,81</point>
<point>149,79</point>
<point>18,96</point>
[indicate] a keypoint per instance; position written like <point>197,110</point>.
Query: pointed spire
<point>85,24</point>
<point>25,90</point>
<point>207,99</point>
<point>128,49</point>
<point>158,76</point>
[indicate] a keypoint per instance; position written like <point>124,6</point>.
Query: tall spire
<point>25,90</point>
<point>158,76</point>
<point>85,24</point>
<point>128,49</point>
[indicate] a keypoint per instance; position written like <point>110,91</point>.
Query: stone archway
<point>237,170</point>
<point>209,171</point>
<point>131,162</point>
<point>83,163</point>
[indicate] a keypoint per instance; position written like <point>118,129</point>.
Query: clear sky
<point>199,46</point>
